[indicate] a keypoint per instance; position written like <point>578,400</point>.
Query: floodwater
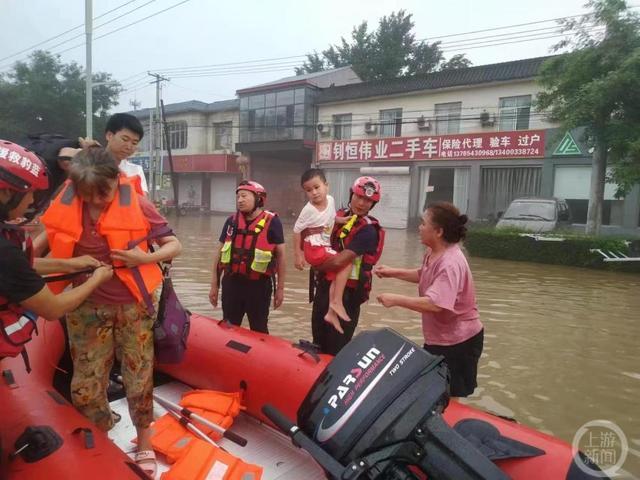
<point>561,344</point>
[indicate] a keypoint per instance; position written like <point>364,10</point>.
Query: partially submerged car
<point>536,214</point>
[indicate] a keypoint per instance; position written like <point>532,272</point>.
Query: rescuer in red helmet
<point>24,294</point>
<point>250,260</point>
<point>360,243</point>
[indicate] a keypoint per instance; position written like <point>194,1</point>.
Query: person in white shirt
<point>131,169</point>
<point>123,133</point>
<point>312,239</point>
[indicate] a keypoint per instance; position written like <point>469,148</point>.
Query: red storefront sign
<point>215,162</point>
<point>476,146</point>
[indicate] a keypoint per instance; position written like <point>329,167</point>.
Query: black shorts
<point>462,360</point>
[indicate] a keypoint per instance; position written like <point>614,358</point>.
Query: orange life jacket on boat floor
<point>170,438</point>
<point>203,461</point>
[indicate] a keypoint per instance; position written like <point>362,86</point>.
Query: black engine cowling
<point>376,409</point>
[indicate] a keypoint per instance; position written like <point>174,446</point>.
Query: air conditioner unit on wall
<point>423,123</point>
<point>370,127</point>
<point>323,129</point>
<point>486,120</point>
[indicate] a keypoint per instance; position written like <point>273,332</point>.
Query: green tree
<point>597,85</point>
<point>45,95</point>
<point>389,52</point>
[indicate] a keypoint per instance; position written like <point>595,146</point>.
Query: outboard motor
<point>375,413</point>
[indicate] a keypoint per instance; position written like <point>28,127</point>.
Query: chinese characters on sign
<point>519,144</point>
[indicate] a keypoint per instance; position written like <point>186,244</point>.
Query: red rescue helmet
<point>258,190</point>
<point>367,187</point>
<point>21,170</point>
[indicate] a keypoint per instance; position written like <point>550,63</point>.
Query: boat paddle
<point>235,438</point>
<point>191,427</point>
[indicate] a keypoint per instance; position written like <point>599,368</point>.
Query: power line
<point>508,26</point>
<point>279,67</point>
<point>137,86</point>
<point>125,26</point>
<point>198,69</point>
<point>233,63</point>
<point>65,32</point>
<point>504,43</point>
<point>144,73</point>
<point>82,34</point>
<point>478,42</point>
<point>239,68</point>
<point>117,29</point>
<point>542,31</point>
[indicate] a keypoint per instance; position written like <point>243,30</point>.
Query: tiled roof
<point>224,105</point>
<point>497,72</point>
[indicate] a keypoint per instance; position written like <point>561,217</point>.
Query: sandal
<point>146,460</point>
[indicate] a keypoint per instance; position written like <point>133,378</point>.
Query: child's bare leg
<point>333,319</point>
<point>337,290</point>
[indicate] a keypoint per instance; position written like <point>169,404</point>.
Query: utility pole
<point>88,30</point>
<point>155,159</point>
<point>135,104</point>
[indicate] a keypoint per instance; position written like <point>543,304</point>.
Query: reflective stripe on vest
<point>246,249</point>
<point>18,325</point>
<point>121,222</point>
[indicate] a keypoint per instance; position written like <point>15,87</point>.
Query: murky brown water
<point>561,344</point>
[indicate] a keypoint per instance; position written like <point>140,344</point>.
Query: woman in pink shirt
<point>446,296</point>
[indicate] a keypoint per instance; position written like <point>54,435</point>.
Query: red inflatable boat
<point>227,358</point>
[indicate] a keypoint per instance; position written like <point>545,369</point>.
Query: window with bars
<point>222,135</point>
<point>391,122</point>
<point>448,118</point>
<point>177,134</point>
<point>515,112</point>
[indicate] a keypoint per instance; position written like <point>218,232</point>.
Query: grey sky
<point>205,32</point>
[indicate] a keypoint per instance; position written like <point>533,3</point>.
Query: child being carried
<point>312,234</point>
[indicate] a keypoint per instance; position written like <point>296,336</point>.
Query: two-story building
<point>470,136</point>
<point>202,137</point>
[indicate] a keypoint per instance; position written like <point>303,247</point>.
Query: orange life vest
<point>217,407</point>
<point>246,249</point>
<point>203,461</point>
<point>121,222</point>
<point>136,181</point>
<point>170,438</point>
